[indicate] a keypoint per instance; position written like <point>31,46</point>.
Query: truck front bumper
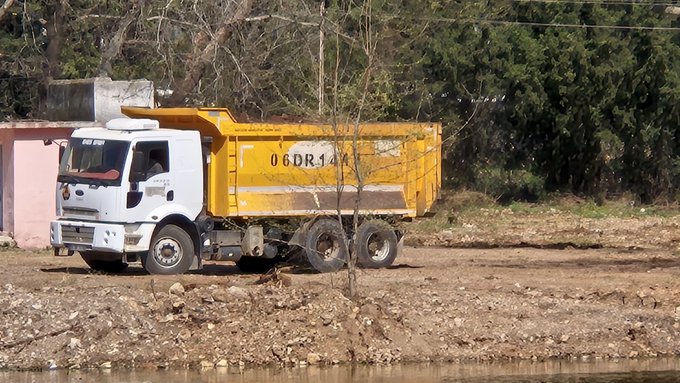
<point>84,236</point>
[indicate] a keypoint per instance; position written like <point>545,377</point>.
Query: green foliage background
<point>531,100</point>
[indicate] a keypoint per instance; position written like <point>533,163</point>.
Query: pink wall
<point>35,167</point>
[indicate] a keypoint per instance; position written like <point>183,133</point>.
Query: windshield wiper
<point>71,179</point>
<point>65,178</point>
<point>95,182</point>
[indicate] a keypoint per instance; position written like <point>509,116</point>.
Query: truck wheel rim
<point>167,252</point>
<point>327,246</point>
<point>378,247</point>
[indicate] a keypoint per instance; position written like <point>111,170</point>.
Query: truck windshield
<point>93,161</point>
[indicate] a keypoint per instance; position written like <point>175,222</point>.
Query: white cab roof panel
<point>132,124</point>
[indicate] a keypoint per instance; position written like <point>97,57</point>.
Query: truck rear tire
<point>102,261</point>
<point>376,244</point>
<point>325,245</point>
<point>171,252</point>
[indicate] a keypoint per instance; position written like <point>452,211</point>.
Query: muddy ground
<point>548,291</point>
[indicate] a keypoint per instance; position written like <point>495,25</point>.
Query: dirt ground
<point>543,296</point>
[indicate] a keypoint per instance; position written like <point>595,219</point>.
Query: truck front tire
<point>171,252</point>
<point>101,261</point>
<point>325,245</point>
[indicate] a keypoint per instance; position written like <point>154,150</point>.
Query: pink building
<point>29,151</point>
<point>29,161</point>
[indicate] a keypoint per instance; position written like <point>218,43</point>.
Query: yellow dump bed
<point>296,169</point>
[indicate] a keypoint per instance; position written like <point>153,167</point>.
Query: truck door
<point>151,180</point>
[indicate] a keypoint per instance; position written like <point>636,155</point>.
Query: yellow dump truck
<point>171,187</point>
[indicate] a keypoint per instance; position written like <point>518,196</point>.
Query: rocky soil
<point>564,225</point>
<point>435,304</point>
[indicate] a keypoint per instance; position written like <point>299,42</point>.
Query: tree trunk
<point>197,64</point>
<point>322,14</point>
<point>56,11</point>
<point>115,45</point>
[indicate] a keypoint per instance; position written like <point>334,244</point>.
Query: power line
<point>546,25</point>
<point>601,2</point>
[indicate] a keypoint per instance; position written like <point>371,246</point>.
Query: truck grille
<point>77,234</point>
<point>80,212</point>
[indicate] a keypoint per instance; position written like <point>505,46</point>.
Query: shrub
<point>509,185</point>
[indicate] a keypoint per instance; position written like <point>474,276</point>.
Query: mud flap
<point>63,252</point>
<point>298,238</point>
<point>197,264</point>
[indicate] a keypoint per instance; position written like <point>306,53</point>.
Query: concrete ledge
<point>50,124</point>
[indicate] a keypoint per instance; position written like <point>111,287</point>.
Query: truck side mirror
<point>137,168</point>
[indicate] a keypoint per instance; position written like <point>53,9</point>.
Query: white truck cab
<point>126,188</point>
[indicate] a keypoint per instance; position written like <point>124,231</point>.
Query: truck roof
<point>125,135</point>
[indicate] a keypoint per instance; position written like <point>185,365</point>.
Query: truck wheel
<point>171,252</point>
<point>325,246</point>
<point>101,261</point>
<point>376,244</point>
<point>255,264</point>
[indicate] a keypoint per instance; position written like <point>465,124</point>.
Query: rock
<point>51,364</point>
<point>7,241</point>
<point>313,358</point>
<point>458,322</point>
<point>220,296</point>
<point>326,319</point>
<point>238,292</point>
<point>176,289</point>
<point>222,363</point>
<point>207,364</point>
<point>184,334</point>
<point>178,305</point>
<point>286,280</point>
<point>564,338</point>
<point>448,234</point>
<point>74,343</point>
<point>278,351</point>
<point>73,315</point>
<point>105,365</point>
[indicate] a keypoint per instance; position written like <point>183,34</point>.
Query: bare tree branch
<point>114,46</point>
<point>165,18</point>
<point>284,18</point>
<point>92,16</point>
<point>5,7</point>
<point>197,64</point>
